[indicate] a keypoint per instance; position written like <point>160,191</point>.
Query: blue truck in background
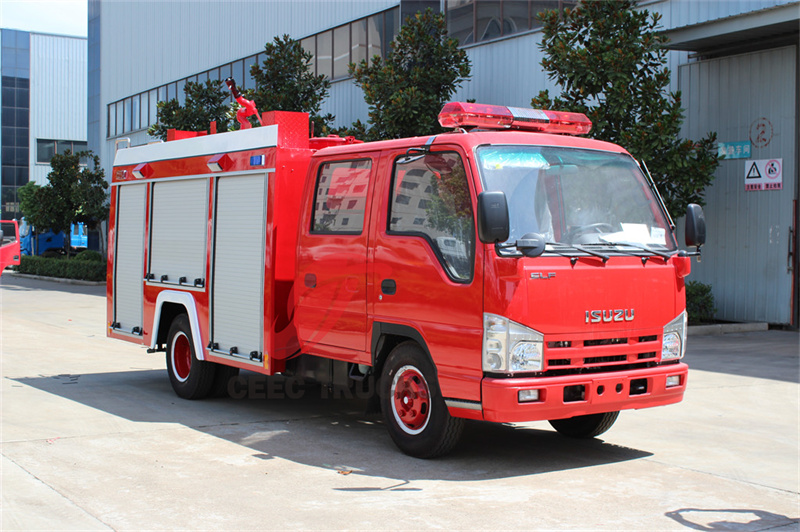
<point>32,243</point>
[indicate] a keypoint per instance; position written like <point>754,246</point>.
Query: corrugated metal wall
<point>745,259</point>
<point>506,72</point>
<point>346,103</point>
<point>58,94</point>
<point>678,13</point>
<point>146,44</point>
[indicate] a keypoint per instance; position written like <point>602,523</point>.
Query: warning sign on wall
<point>763,174</point>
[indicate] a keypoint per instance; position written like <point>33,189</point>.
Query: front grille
<point>605,341</point>
<point>593,354</point>
<point>602,360</point>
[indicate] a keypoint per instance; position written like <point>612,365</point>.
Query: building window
<point>472,21</point>
<point>14,143</point>
<point>46,149</point>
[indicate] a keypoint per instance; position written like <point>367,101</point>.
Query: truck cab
<point>505,273</point>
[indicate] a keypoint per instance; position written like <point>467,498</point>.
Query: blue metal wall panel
<point>57,94</point>
<point>745,259</point>
<point>148,44</point>
<point>677,13</point>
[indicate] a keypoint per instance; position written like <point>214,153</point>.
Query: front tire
<point>413,408</point>
<point>587,426</point>
<point>190,378</point>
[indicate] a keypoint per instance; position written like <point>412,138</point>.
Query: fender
<point>380,328</point>
<point>187,300</point>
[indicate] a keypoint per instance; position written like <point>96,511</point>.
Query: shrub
<point>85,270</point>
<point>54,253</point>
<point>699,303</point>
<point>90,255</point>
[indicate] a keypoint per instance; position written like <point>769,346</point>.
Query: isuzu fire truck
<point>508,270</point>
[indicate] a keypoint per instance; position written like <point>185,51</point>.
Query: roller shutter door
<point>238,276</point>
<point>179,231</point>
<point>129,257</point>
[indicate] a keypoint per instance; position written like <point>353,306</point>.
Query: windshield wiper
<point>573,259</point>
<point>664,255</point>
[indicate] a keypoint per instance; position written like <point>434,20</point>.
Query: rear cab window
<point>340,197</point>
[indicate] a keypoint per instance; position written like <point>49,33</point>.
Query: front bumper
<point>600,392</point>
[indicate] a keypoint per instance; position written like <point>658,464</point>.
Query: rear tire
<point>413,408</point>
<point>190,378</point>
<point>222,379</point>
<point>587,426</point>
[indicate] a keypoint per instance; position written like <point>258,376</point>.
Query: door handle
<point>388,287</point>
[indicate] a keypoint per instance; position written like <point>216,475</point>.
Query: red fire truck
<point>9,244</point>
<point>508,270</point>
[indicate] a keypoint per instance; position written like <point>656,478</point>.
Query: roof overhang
<point>757,30</point>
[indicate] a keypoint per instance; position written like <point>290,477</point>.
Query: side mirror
<point>493,224</point>
<point>695,225</point>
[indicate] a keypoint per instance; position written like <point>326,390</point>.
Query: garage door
<point>747,99</point>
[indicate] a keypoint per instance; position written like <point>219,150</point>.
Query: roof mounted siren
<point>463,115</point>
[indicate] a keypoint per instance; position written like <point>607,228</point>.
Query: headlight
<point>509,347</point>
<point>673,344</point>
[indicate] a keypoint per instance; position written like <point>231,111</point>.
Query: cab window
<point>431,199</point>
<point>340,197</point>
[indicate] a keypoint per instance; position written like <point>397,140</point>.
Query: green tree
<point>609,61</point>
<point>74,193</point>
<point>406,90</point>
<point>284,82</point>
<point>204,103</point>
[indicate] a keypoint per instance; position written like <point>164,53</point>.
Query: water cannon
<point>248,107</point>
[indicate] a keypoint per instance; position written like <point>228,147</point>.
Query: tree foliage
<point>74,193</point>
<point>406,90</point>
<point>609,61</point>
<point>284,82</point>
<point>205,102</point>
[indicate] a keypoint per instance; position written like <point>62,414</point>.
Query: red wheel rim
<point>411,400</point>
<point>181,356</point>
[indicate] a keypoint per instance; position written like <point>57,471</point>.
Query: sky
<point>62,17</point>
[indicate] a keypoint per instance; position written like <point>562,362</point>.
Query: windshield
<point>574,196</point>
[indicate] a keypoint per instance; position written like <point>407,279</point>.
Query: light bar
<point>462,114</point>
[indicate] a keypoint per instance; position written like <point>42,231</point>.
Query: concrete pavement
<point>94,438</point>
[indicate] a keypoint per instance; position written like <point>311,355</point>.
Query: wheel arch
<point>387,336</point>
<point>169,304</point>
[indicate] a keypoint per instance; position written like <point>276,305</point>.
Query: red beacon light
<point>461,114</point>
